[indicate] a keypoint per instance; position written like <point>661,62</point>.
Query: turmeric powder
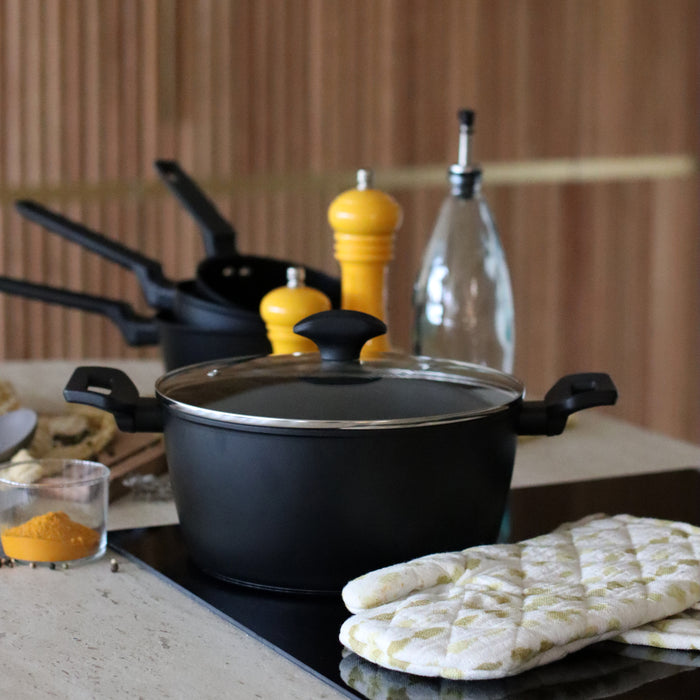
<point>49,538</point>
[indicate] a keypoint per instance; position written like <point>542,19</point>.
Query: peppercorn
<point>113,565</point>
<point>52,566</point>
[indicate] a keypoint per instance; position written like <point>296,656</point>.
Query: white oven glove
<point>681,631</point>
<point>496,610</point>
<point>604,673</point>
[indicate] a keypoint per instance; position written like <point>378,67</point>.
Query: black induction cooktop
<point>304,628</point>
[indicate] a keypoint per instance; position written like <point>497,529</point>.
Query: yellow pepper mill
<point>283,307</point>
<point>365,221</point>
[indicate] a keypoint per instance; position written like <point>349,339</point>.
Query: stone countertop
<point>87,632</point>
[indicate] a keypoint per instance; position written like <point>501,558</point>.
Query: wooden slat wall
<point>273,104</point>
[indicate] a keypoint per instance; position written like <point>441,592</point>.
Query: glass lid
<point>334,388</point>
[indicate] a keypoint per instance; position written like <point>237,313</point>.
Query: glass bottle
<point>462,298</point>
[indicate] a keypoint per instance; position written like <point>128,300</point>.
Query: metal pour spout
<point>464,176</point>
<point>466,129</point>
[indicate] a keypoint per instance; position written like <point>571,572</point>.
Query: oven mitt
<point>601,674</point>
<point>681,631</point>
<point>496,610</point>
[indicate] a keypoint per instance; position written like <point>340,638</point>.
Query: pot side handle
<point>111,390</point>
<point>571,393</point>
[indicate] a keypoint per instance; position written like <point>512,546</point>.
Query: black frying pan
<point>180,343</point>
<point>224,275</point>
<point>182,299</point>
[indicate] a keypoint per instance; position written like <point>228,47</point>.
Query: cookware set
<point>214,315</point>
<point>298,472</point>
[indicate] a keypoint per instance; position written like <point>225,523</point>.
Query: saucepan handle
<point>111,390</point>
<point>157,289</point>
<point>571,393</point>
<point>137,330</point>
<point>218,235</point>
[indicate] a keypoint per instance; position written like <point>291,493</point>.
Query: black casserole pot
<point>301,472</point>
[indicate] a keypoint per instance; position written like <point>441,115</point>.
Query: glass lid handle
<point>340,333</point>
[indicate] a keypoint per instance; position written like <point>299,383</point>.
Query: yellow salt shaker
<point>364,221</point>
<point>283,307</point>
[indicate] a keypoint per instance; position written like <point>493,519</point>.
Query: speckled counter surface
<point>88,632</point>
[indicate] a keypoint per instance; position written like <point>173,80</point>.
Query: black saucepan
<point>225,275</point>
<point>302,472</point>
<point>180,344</point>
<point>182,300</point>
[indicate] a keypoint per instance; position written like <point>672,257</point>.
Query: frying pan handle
<point>137,330</point>
<point>571,393</point>
<point>218,235</point>
<point>158,291</point>
<point>111,390</point>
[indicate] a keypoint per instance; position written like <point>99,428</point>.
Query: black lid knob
<point>340,333</point>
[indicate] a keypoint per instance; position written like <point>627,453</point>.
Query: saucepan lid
<point>335,388</point>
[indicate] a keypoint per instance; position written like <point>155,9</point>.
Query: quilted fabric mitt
<point>497,610</point>
<point>681,631</point>
<point>601,674</point>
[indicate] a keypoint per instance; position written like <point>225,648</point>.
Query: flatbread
<point>81,433</point>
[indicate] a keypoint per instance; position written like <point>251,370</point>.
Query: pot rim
<point>431,369</point>
<point>237,419</point>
